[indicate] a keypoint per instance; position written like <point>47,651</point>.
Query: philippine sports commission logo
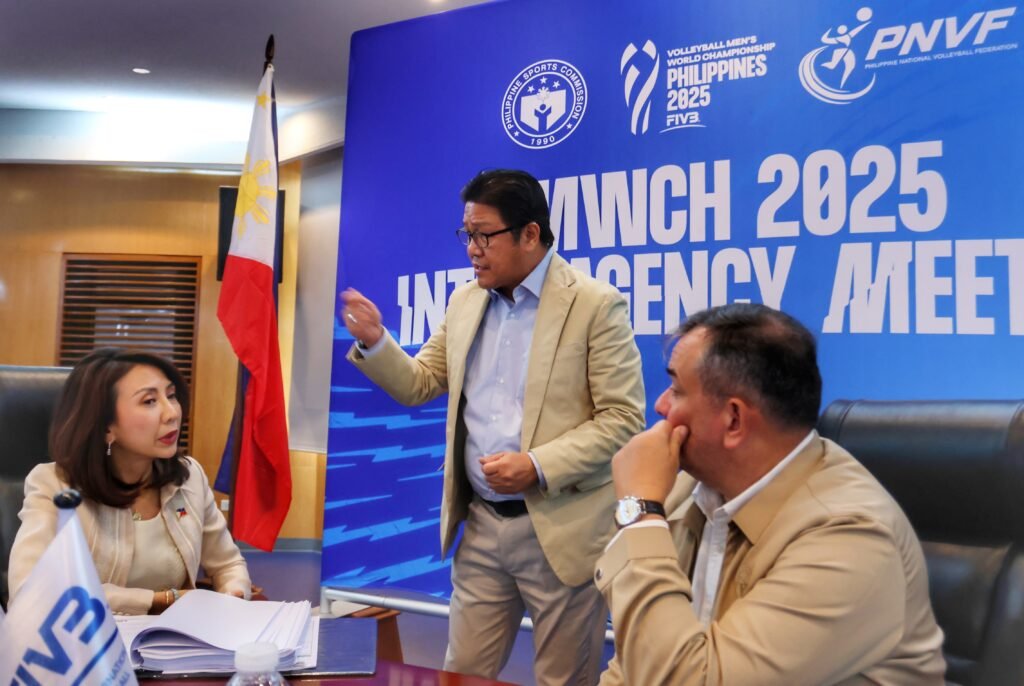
<point>544,104</point>
<point>828,79</point>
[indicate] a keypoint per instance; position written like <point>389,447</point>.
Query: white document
<point>202,630</point>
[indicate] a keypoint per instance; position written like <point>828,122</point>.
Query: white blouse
<point>156,563</point>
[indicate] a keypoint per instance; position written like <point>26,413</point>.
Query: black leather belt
<point>507,508</point>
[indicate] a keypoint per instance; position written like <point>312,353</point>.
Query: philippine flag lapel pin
<point>181,512</point>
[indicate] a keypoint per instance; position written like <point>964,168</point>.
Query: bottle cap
<point>256,657</point>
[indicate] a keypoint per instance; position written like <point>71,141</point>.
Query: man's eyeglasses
<point>481,239</point>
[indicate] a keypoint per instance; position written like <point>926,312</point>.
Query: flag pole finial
<point>68,499</point>
<point>269,52</point>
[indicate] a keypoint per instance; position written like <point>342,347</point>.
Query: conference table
<point>388,674</point>
<point>356,636</point>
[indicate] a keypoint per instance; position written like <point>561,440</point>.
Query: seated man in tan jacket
<point>789,563</point>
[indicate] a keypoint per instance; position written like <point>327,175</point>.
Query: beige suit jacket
<point>583,399</point>
<point>824,582</point>
<point>200,535</point>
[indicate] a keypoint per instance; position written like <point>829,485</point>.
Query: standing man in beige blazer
<point>789,564</point>
<point>544,385</point>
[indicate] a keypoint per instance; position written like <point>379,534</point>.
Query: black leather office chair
<point>957,469</point>
<point>27,399</point>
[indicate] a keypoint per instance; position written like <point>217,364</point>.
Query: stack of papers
<point>201,631</point>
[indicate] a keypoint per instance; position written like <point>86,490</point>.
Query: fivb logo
<point>59,629</point>
<point>944,34</point>
<point>634,65</point>
<point>74,611</point>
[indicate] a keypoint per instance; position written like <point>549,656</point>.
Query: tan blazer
<point>824,582</point>
<point>200,535</point>
<point>583,399</point>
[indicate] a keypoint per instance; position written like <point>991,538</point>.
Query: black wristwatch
<point>630,509</point>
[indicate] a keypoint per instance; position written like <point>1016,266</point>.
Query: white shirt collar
<point>711,501</point>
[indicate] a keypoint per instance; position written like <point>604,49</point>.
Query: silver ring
<point>349,316</point>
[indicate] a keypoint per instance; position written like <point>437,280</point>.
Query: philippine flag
<point>246,309</point>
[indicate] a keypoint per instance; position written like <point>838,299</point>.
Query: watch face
<point>627,511</point>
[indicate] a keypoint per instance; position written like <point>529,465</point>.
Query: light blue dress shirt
<point>496,378</point>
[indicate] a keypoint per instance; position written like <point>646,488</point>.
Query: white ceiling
<point>66,81</point>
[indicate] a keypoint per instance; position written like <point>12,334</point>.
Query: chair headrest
<point>956,467</point>
<point>28,396</point>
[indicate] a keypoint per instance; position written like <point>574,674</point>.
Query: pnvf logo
<point>831,72</point>
<point>544,104</point>
<point>939,35</point>
<point>827,78</point>
<point>639,69</point>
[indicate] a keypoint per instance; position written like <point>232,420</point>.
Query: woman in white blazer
<point>148,512</point>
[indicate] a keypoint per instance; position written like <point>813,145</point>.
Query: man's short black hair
<point>763,355</point>
<point>516,195</point>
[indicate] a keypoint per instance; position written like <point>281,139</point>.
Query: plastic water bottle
<point>256,665</point>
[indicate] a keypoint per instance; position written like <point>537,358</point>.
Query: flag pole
<point>236,440</point>
<point>269,52</point>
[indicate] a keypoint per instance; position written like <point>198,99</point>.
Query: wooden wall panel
<point>50,210</point>
<point>47,210</point>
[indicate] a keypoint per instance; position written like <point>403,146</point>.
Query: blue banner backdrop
<point>857,164</point>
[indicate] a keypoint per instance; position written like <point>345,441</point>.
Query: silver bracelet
<point>175,594</point>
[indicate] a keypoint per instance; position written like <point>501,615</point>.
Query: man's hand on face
<point>509,473</point>
<point>361,317</point>
<point>647,466</point>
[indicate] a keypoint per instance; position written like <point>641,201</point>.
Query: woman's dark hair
<point>85,410</point>
<point>516,195</point>
<point>755,350</point>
